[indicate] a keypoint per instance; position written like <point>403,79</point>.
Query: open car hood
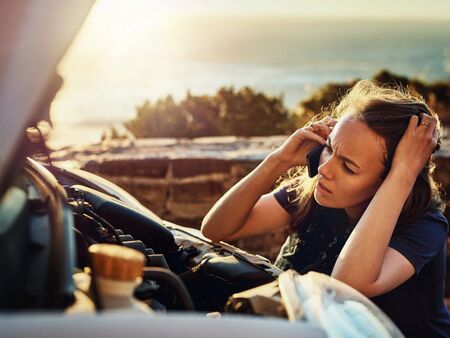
<point>34,34</point>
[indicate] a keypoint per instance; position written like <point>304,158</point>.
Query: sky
<point>432,9</point>
<point>129,49</point>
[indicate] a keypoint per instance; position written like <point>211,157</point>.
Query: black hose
<point>103,221</point>
<point>165,275</point>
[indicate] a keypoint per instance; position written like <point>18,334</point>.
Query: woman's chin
<point>322,200</point>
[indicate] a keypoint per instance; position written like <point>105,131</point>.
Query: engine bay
<point>59,218</point>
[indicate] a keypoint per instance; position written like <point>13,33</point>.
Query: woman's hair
<point>387,112</point>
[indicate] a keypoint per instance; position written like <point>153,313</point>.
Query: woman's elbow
<point>208,232</point>
<point>209,235</point>
<point>205,230</point>
<point>367,289</point>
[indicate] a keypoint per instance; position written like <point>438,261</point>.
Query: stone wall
<point>183,190</point>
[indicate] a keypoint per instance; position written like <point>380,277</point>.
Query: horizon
<point>127,52</point>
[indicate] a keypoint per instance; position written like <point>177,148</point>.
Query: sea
<point>114,67</point>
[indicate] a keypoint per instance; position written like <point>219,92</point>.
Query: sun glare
<point>118,43</point>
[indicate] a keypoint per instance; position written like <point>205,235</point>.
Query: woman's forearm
<point>360,261</point>
<point>230,213</point>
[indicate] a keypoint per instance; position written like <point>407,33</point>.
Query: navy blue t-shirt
<point>417,306</point>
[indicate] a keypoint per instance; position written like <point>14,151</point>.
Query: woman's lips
<point>323,188</point>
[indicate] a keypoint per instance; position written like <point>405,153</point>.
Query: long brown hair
<point>386,110</point>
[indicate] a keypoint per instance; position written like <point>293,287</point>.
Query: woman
<point>371,218</point>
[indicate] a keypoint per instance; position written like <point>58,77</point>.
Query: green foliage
<point>436,94</point>
<point>321,100</point>
<point>165,118</point>
<point>229,112</point>
<point>248,113</point>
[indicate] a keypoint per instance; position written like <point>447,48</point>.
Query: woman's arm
<point>244,210</point>
<point>366,262</point>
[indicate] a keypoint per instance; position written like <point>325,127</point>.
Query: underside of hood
<point>34,35</point>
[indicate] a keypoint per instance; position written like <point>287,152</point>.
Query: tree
<point>164,118</point>
<point>229,112</point>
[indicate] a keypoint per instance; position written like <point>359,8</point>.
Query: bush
<point>164,118</point>
<point>436,94</point>
<point>228,112</point>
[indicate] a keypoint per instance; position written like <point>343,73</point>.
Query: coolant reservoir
<point>118,270</point>
<point>340,310</point>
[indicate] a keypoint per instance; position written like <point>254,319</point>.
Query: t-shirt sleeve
<point>286,199</point>
<point>421,240</point>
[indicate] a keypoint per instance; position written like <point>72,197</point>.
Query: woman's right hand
<point>293,151</point>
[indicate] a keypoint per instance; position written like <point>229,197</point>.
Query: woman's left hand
<point>415,147</point>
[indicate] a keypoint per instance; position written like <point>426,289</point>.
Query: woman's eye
<point>347,169</point>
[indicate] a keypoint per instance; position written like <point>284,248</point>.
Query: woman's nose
<point>326,165</point>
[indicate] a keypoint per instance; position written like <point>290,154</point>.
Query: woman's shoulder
<point>430,217</point>
<point>431,225</point>
<point>422,239</point>
<point>286,197</point>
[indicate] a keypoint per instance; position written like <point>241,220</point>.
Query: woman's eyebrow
<point>342,157</point>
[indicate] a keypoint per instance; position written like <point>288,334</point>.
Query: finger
<point>435,139</point>
<point>323,129</point>
<point>332,122</point>
<point>412,125</point>
<point>312,136</point>
<point>431,129</point>
<point>301,134</point>
<point>329,121</point>
<point>326,125</point>
<point>296,137</point>
<point>429,132</point>
<point>424,124</point>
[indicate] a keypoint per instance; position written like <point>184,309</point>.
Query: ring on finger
<point>425,124</point>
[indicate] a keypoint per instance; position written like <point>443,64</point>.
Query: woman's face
<point>350,166</point>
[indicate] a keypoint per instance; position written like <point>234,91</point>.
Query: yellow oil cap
<point>116,262</point>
